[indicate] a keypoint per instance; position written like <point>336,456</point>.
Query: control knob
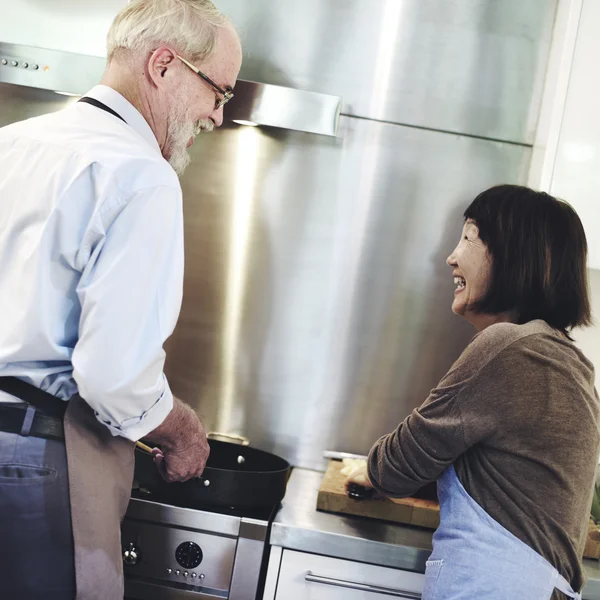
<point>189,555</point>
<point>131,555</point>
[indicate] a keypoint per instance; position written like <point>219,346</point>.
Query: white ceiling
<point>69,25</point>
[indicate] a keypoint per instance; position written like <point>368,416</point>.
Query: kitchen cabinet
<point>302,576</point>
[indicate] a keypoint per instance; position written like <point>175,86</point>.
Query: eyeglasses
<point>226,93</point>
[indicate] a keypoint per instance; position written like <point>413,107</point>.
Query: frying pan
<point>238,477</point>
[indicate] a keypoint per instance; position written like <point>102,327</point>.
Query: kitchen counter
<point>299,526</point>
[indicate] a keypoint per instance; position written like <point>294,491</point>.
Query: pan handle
<point>143,447</point>
<point>237,439</point>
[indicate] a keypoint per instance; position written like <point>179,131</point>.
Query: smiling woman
<point>497,432</point>
<point>472,269</point>
<point>529,251</point>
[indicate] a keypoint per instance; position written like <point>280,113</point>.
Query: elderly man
<point>91,265</point>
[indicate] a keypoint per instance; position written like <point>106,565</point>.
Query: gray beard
<point>179,132</point>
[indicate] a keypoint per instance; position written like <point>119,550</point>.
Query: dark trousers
<point>36,540</point>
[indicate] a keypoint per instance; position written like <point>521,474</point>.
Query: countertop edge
<point>300,527</point>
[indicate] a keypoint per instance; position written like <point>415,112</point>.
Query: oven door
<point>163,562</point>
<point>145,590</point>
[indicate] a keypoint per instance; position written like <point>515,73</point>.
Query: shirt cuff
<point>136,428</point>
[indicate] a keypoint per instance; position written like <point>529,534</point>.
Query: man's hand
<point>184,448</point>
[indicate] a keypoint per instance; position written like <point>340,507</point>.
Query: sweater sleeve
<point>434,435</point>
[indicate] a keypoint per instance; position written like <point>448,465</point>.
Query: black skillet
<point>235,476</point>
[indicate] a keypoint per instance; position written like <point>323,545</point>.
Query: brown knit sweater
<point>519,417</point>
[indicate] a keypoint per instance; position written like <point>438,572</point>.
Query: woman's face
<point>471,266</point>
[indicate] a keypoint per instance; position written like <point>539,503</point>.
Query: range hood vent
<point>254,103</point>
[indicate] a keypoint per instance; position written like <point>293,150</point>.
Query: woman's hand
<point>356,471</point>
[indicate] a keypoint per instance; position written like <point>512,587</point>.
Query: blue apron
<point>475,557</point>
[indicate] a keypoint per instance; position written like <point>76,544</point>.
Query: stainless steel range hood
<point>262,104</point>
<point>254,104</point>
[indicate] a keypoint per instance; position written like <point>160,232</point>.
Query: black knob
<point>189,555</point>
<point>360,492</point>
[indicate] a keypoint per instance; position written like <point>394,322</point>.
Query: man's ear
<point>161,66</point>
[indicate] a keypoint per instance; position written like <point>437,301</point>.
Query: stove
<point>179,553</point>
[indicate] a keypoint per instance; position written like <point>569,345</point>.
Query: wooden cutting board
<point>592,544</point>
<point>410,511</point>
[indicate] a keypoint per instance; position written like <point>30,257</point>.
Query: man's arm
<point>130,294</point>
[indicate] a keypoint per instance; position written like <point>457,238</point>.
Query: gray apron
<point>100,473</point>
<point>100,478</point>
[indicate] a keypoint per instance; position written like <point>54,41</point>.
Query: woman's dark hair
<point>539,255</point>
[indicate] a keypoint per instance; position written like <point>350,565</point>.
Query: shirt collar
<point>125,109</point>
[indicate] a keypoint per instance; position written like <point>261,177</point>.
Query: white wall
<point>566,155</point>
<point>577,169</point>
<point>70,25</point>
<point>589,339</point>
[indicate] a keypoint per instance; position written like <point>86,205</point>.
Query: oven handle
<point>364,587</point>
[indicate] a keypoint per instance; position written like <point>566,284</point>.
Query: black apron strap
<point>46,402</point>
<point>101,106</point>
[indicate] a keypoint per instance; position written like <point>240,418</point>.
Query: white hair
<point>190,26</point>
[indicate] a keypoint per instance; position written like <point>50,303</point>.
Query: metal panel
<point>183,518</point>
<point>258,103</point>
<point>248,560</point>
<point>157,544</point>
<point>272,573</point>
<point>145,590</point>
<point>49,69</point>
<point>18,103</point>
<point>298,526</point>
<point>276,106</point>
<point>316,308</point>
<point>468,66</point>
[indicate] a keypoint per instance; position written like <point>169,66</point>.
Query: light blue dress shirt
<point>91,260</point>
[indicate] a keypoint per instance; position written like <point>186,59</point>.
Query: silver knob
<point>4,62</point>
<point>25,65</point>
<point>185,573</point>
<point>131,555</point>
<point>241,460</point>
<point>206,483</point>
<point>35,67</point>
<point>202,576</point>
<point>14,63</point>
<point>178,572</point>
<point>169,570</point>
<point>194,575</point>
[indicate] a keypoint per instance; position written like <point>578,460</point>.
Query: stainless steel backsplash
<point>317,300</point>
<point>316,309</point>
<point>467,66</point>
